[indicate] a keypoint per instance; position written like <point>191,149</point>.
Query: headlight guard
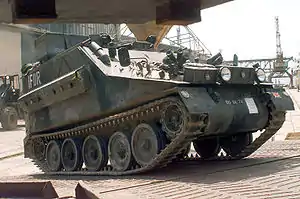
<point>225,73</point>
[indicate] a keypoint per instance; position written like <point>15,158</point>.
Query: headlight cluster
<point>225,74</point>
<point>261,75</point>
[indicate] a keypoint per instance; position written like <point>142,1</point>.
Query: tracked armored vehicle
<point>103,108</point>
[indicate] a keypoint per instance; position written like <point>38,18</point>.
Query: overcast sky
<point>247,27</point>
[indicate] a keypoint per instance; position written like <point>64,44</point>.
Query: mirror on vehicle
<point>112,50</point>
<point>215,60</point>
<point>124,57</point>
<point>235,60</point>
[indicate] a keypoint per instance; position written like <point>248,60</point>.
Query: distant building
<point>11,47</point>
<point>10,41</point>
<point>17,41</point>
<point>78,29</point>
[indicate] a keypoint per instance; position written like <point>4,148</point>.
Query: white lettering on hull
<point>34,80</point>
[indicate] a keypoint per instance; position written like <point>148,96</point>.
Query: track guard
<point>198,101</point>
<point>281,99</point>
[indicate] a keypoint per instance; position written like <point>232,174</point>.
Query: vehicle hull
<point>95,96</point>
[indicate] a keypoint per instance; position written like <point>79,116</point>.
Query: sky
<point>247,28</point>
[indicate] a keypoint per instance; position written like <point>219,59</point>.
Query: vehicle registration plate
<point>252,108</point>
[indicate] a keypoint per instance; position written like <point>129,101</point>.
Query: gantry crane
<point>280,66</point>
<point>142,31</point>
<point>275,67</point>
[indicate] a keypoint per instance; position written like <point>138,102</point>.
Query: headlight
<point>226,74</point>
<point>261,75</point>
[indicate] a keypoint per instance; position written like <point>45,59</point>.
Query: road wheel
<point>119,151</point>
<point>9,118</point>
<point>233,145</point>
<point>146,143</point>
<point>53,156</point>
<point>71,155</point>
<point>207,148</point>
<point>94,153</point>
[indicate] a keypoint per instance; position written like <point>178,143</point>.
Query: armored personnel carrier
<point>103,108</point>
